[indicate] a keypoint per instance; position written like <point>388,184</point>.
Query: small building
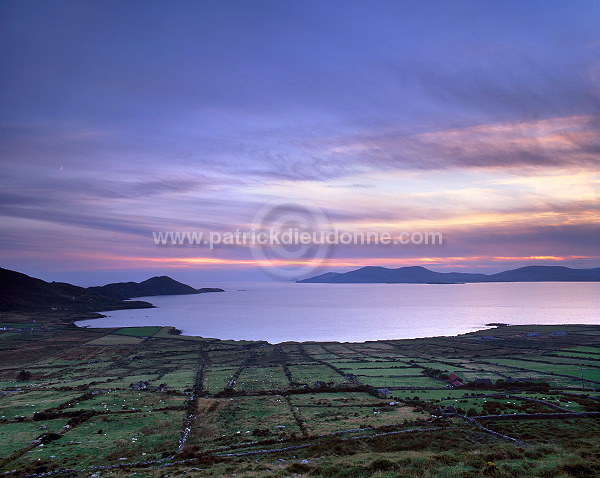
<point>441,412</point>
<point>320,384</point>
<point>383,392</point>
<point>145,385</point>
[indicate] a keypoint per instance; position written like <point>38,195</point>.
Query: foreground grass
<point>501,460</point>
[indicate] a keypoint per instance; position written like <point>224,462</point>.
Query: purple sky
<point>476,119</point>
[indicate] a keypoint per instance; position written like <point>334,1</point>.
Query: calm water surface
<point>279,312</point>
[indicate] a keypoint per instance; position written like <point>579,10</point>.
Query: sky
<point>476,119</point>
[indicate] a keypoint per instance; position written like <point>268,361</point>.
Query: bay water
<point>279,312</point>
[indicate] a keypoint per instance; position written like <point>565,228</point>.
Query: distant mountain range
<point>20,293</point>
<point>421,275</point>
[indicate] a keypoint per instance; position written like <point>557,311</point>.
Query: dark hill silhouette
<point>546,273</point>
<point>22,293</point>
<point>162,285</point>
<point>19,292</point>
<point>421,275</point>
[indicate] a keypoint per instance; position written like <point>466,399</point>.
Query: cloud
<point>556,142</point>
<point>515,84</point>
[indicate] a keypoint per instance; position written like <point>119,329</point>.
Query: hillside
<point>20,292</point>
<point>421,275</point>
<point>161,285</point>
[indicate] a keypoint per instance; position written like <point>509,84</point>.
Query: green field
<point>217,378</point>
<point>138,331</point>
<point>15,436</point>
<point>262,378</point>
<point>226,422</point>
<point>584,349</point>
<point>114,438</point>
<point>584,355</point>
<point>26,404</point>
<point>385,372</point>
<point>311,373</point>
<point>558,368</point>
<point>116,401</point>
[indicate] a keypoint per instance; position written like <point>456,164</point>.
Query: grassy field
<point>67,401</point>
<point>115,339</point>
<point>311,373</point>
<point>217,378</point>
<point>591,350</point>
<point>28,403</point>
<point>138,331</point>
<point>570,369</point>
<point>112,438</point>
<point>327,413</point>
<point>15,436</point>
<point>254,379</point>
<point>242,419</point>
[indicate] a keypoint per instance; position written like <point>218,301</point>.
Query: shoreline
<point>552,329</point>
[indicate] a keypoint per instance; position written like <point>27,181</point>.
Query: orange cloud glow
<point>211,262</point>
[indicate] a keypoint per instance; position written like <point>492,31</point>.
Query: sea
<point>279,312</point>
